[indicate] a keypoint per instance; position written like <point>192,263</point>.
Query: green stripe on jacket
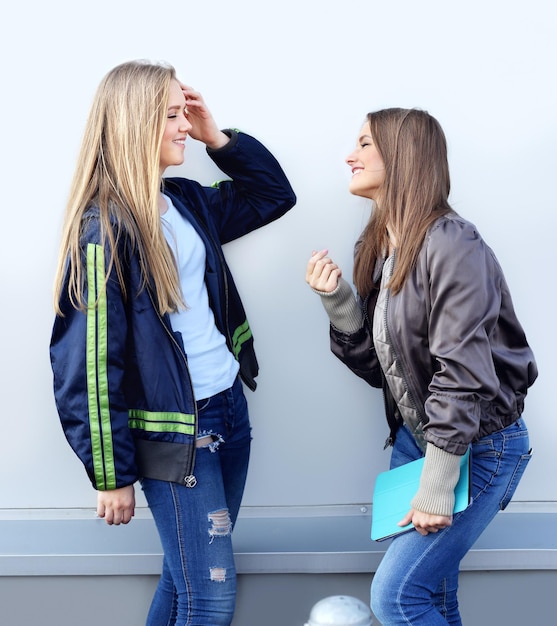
<point>97,375</point>
<point>240,336</point>
<point>162,421</point>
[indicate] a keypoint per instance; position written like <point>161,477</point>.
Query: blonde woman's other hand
<point>322,273</point>
<point>116,506</point>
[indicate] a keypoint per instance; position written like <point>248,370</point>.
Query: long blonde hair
<point>118,171</point>
<point>413,195</point>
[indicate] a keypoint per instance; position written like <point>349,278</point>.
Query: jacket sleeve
<point>258,193</point>
<point>465,286</point>
<point>87,353</point>
<point>356,350</point>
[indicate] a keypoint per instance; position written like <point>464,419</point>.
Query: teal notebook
<point>394,489</point>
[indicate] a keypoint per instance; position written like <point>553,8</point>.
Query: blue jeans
<point>416,583</point>
<point>198,582</point>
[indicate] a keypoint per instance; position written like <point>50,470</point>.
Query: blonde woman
<point>151,345</point>
<point>434,327</point>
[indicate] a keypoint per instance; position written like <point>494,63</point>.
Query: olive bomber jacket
<point>460,348</point>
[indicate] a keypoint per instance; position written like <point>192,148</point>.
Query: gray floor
<point>69,572</point>
<point>520,598</point>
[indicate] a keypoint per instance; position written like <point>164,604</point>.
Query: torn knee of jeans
<point>218,574</point>
<point>221,524</point>
<point>208,439</point>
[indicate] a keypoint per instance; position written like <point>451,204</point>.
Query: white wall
<point>300,76</point>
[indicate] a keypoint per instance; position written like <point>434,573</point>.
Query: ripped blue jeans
<point>417,580</point>
<point>198,582</point>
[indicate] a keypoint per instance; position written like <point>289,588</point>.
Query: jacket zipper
<point>220,256</point>
<point>397,359</point>
<point>190,480</point>
<point>218,251</point>
<point>392,422</point>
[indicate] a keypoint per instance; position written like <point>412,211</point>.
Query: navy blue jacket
<point>121,380</point>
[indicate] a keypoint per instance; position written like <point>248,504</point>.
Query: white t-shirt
<point>212,366</point>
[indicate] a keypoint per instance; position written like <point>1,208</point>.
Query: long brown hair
<point>118,171</point>
<point>413,195</point>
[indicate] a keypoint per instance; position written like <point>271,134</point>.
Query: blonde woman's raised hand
<point>204,127</point>
<point>322,273</point>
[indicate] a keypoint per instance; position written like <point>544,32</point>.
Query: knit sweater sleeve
<point>439,477</point>
<point>341,306</point>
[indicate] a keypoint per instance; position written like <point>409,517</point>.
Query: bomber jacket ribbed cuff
<point>230,132</point>
<point>440,474</point>
<point>342,308</point>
